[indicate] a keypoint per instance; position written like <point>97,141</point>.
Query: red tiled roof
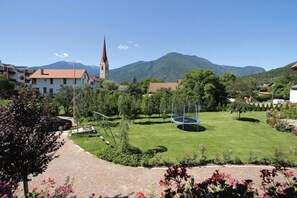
<point>58,73</point>
<point>93,77</point>
<point>153,87</point>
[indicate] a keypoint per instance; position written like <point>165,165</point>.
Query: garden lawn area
<point>223,134</point>
<point>4,102</point>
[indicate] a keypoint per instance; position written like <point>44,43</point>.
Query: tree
<point>134,89</point>
<point>147,107</point>
<point>228,79</point>
<point>128,107</point>
<point>204,87</point>
<point>124,138</point>
<point>244,88</point>
<point>6,88</point>
<point>27,143</point>
<point>110,85</point>
<point>239,107</point>
<point>65,98</point>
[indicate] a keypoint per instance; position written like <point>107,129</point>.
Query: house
<point>49,81</point>
<point>20,74</point>
<point>153,87</point>
<point>94,81</point>
<point>293,94</point>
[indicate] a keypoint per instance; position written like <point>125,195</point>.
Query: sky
<point>230,32</point>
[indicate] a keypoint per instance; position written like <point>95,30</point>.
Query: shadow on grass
<point>191,128</point>
<point>159,149</point>
<point>249,120</point>
<point>151,122</point>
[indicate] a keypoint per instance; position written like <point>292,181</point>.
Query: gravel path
<point>93,175</point>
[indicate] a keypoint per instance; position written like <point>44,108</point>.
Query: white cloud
<point>63,55</point>
<point>123,47</point>
<point>136,45</point>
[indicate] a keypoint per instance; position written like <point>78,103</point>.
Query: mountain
<point>173,66</point>
<point>94,70</point>
<point>170,68</point>
<point>267,77</point>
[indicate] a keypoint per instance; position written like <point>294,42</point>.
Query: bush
<point>290,112</point>
<point>113,154</point>
<point>178,183</point>
<point>284,126</point>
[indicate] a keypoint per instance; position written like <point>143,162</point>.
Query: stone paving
<point>93,175</point>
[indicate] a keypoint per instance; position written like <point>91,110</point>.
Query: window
<point>52,81</point>
<point>75,81</point>
<point>44,90</point>
<point>34,81</point>
<point>51,92</point>
<point>64,81</point>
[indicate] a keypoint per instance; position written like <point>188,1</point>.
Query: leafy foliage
<point>204,87</point>
<point>26,140</point>
<point>239,107</point>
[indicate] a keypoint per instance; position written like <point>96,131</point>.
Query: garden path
<point>93,175</point>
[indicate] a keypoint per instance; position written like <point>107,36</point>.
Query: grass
<point>4,102</point>
<point>223,134</point>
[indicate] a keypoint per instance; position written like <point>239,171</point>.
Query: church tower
<point>104,66</point>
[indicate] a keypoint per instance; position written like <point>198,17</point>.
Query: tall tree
<point>27,143</point>
<point>6,88</point>
<point>65,98</point>
<point>204,87</point>
<point>228,79</point>
<point>147,105</point>
<point>110,85</point>
<point>134,89</point>
<point>244,88</point>
<point>128,107</point>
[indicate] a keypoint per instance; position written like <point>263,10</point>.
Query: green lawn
<point>223,133</point>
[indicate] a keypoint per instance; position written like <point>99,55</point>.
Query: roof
<point>58,73</point>
<point>294,87</point>
<point>294,67</point>
<point>104,54</point>
<point>94,77</point>
<point>153,87</point>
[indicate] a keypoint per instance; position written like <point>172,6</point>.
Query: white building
<point>293,94</point>
<point>14,73</point>
<point>49,81</point>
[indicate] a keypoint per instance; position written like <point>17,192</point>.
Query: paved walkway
<point>93,175</point>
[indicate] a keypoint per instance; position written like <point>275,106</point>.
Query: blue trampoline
<point>185,115</point>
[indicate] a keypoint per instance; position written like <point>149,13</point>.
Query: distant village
<point>49,81</point>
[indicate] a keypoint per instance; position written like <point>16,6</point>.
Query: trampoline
<point>185,120</point>
<point>185,115</point>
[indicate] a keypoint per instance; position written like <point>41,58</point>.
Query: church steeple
<point>104,63</point>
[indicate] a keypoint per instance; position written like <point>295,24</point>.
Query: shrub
<point>284,126</point>
<point>273,188</point>
<point>189,159</point>
<point>203,160</point>
<point>178,183</point>
<point>113,154</point>
<point>290,112</point>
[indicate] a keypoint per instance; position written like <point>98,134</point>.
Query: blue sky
<point>230,32</point>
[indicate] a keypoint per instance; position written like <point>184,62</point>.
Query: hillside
<point>173,66</point>
<point>170,67</point>
<point>267,77</point>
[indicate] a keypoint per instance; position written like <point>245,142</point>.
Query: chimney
<point>42,71</point>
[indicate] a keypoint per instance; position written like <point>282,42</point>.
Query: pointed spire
<point>104,55</point>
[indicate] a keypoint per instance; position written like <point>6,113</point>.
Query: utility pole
<point>74,99</point>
